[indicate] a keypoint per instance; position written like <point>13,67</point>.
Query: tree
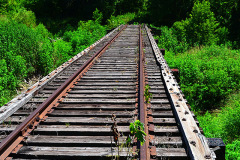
<point>201,26</point>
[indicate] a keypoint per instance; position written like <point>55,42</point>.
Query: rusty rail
<point>142,106</point>
<point>11,143</point>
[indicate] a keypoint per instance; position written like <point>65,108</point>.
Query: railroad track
<point>77,114</point>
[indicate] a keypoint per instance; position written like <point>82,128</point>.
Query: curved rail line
<point>85,112</point>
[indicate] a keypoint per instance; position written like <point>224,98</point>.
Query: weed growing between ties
<point>67,124</point>
<point>147,94</point>
<point>136,132</point>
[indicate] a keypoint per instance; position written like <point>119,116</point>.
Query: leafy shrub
<point>7,6</point>
<point>62,52</point>
<point>115,21</point>
<point>169,41</point>
<point>86,34</point>
<point>222,34</point>
<point>6,77</point>
<point>225,125</point>
<point>41,30</point>
<point>24,16</point>
<point>18,39</point>
<point>233,150</point>
<point>45,58</point>
<point>19,68</point>
<point>97,16</point>
<point>24,52</point>
<point>201,28</point>
<point>232,122</point>
<point>15,10</point>
<point>201,25</point>
<point>207,75</point>
<point>45,49</point>
<point>7,82</point>
<point>212,125</point>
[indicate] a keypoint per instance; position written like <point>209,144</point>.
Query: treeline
<point>56,14</point>
<point>59,15</point>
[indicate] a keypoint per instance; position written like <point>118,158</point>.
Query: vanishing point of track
<point>78,114</point>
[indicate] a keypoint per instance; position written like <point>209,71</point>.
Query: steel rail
<point>16,136</point>
<point>141,105</point>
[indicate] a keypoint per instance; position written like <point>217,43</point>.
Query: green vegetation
<point>147,94</point>
<point>87,33</point>
<point>115,21</point>
<point>201,38</point>
<point>21,49</point>
<point>208,74</point>
<point>200,28</point>
<point>136,131</point>
<point>225,125</point>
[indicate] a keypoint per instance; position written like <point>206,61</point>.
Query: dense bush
<point>14,10</point>
<point>225,125</point>
<point>86,34</point>
<point>8,82</point>
<point>207,75</point>
<point>24,16</point>
<point>26,51</point>
<point>62,52</point>
<point>169,40</point>
<point>7,6</point>
<point>201,25</point>
<point>233,150</point>
<point>17,39</point>
<point>20,52</point>
<point>115,21</point>
<point>201,28</point>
